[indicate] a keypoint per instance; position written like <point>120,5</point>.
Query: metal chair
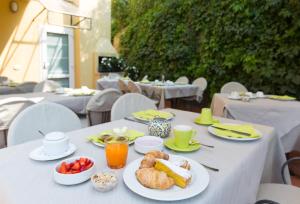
<point>272,193</point>
<point>123,86</point>
<point>182,80</point>
<point>233,86</point>
<point>99,106</point>
<point>134,88</point>
<point>9,109</point>
<point>45,117</point>
<point>130,103</point>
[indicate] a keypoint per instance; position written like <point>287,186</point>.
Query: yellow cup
<point>206,116</point>
<point>182,135</point>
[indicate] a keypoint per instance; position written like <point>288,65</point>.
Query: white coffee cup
<point>260,94</point>
<point>55,143</point>
<point>250,94</point>
<point>234,94</point>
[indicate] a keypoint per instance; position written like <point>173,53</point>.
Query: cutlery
<point>205,145</point>
<point>41,132</point>
<point>133,120</point>
<point>209,167</point>
<point>234,131</point>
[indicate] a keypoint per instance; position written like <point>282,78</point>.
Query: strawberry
<point>82,161</point>
<point>76,166</point>
<point>89,165</point>
<point>63,169</point>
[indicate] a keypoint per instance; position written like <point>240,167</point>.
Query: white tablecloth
<point>241,165</point>
<point>284,116</point>
<point>75,103</point>
<point>161,93</point>
<point>102,84</point>
<point>8,90</point>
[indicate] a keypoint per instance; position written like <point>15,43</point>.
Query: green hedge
<point>255,42</point>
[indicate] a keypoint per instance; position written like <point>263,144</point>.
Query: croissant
<point>149,159</point>
<point>152,178</point>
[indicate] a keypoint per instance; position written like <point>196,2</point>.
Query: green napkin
<point>151,114</point>
<point>130,134</point>
<point>285,97</point>
<point>239,128</point>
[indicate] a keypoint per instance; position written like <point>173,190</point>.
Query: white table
<point>161,93</point>
<point>284,116</point>
<point>104,83</point>
<point>242,167</point>
<point>8,90</point>
<point>75,103</point>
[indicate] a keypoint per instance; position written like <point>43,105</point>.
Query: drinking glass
<point>116,150</point>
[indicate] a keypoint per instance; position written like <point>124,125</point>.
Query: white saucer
<point>235,98</point>
<point>39,155</point>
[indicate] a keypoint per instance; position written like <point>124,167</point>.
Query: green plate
<point>199,122</point>
<point>170,144</point>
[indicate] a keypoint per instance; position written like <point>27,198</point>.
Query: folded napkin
<point>130,134</point>
<point>151,114</point>
<point>228,130</point>
<point>285,97</point>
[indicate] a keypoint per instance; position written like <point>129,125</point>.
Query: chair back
<point>134,88</point>
<point>10,108</point>
<point>122,86</point>
<point>46,86</point>
<point>26,87</point>
<point>183,80</point>
<point>233,86</point>
<point>46,117</point>
<point>201,83</point>
<point>99,106</point>
<point>130,103</point>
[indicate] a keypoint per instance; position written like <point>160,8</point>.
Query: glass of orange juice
<point>116,150</point>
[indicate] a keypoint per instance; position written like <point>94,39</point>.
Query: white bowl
<point>106,185</point>
<point>72,179</point>
<point>148,143</point>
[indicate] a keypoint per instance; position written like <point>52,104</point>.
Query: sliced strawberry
<point>82,161</point>
<point>89,165</point>
<point>76,166</point>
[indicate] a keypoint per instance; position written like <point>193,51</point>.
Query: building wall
<point>20,52</point>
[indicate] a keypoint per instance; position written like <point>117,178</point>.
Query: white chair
<point>9,109</point>
<point>26,87</point>
<point>273,193</point>
<point>46,117</point>
<point>182,80</point>
<point>233,86</point>
<point>134,88</point>
<point>99,106</point>
<point>123,86</point>
<point>130,103</point>
<point>46,86</point>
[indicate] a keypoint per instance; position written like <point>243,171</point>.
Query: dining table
<point>242,167</point>
<point>165,91</point>
<point>282,115</point>
<point>76,103</point>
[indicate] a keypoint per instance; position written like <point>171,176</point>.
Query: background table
<point>8,90</point>
<point>284,116</point>
<point>75,103</point>
<point>162,93</point>
<point>102,84</point>
<point>242,167</point>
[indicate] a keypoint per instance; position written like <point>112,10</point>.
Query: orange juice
<point>116,151</point>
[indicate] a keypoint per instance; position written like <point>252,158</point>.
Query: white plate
<point>39,155</point>
<point>199,182</point>
<point>212,131</point>
<point>145,120</point>
<point>102,145</point>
